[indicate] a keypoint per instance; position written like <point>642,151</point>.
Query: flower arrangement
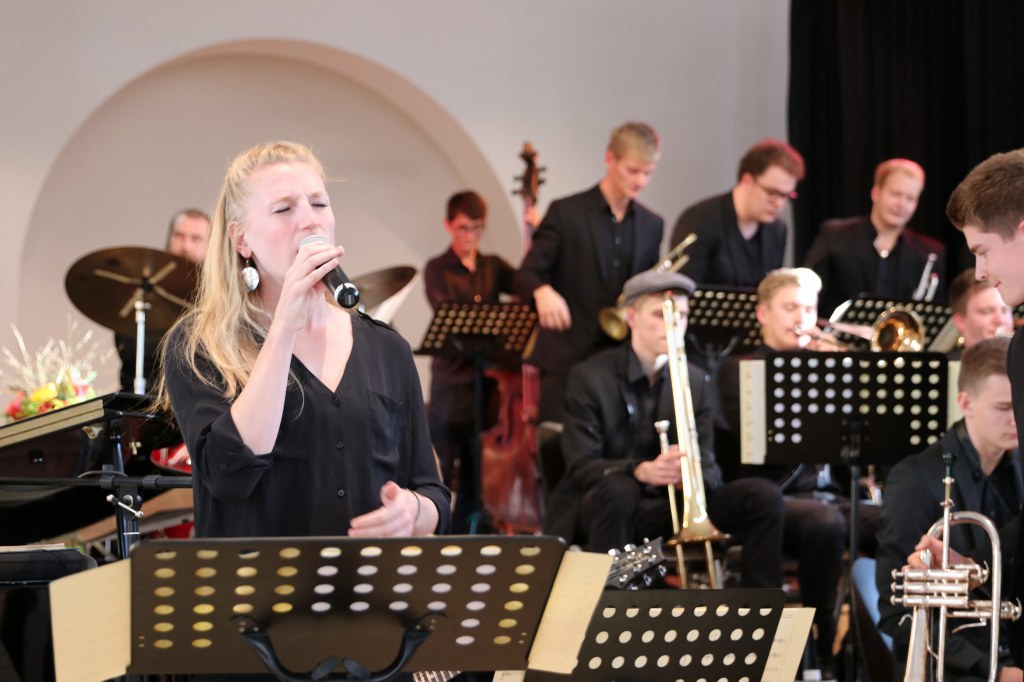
<point>59,374</point>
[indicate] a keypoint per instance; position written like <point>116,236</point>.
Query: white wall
<point>116,113</point>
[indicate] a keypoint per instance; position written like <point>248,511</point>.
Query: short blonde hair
<point>635,139</point>
<point>890,166</point>
<point>774,281</point>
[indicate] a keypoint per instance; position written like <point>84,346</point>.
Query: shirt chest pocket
<point>389,420</point>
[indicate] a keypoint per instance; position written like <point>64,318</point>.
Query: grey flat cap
<point>652,282</point>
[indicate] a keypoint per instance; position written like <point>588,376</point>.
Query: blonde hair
<point>635,139</point>
<point>227,325</point>
<point>778,279</point>
<point>904,166</point>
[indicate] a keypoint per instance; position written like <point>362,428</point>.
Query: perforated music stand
<point>293,604</point>
<point>854,408</point>
<point>865,311</point>
<point>653,635</point>
<point>722,319</point>
<point>486,333</point>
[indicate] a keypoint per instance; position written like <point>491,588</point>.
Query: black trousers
<point>620,510</point>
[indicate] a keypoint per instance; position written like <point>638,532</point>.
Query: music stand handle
<point>414,636</point>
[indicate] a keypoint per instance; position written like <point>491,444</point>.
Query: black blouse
<point>334,451</point>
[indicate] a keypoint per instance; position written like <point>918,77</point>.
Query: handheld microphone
<point>341,287</point>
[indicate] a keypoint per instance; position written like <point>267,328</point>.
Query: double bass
<point>511,489</point>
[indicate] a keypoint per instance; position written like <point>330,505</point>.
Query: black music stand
<point>722,321</point>
<point>855,408</point>
<point>487,333</point>
<point>865,310</point>
<point>337,608</point>
<point>654,635</point>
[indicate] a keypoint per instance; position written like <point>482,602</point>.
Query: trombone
<point>613,318</point>
<point>946,589</point>
<point>693,525</point>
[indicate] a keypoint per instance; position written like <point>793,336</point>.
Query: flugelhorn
<point>613,318</point>
<point>693,525</point>
<point>947,590</point>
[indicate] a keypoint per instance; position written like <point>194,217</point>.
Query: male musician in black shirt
<point>815,510</point>
<point>615,488</point>
<point>987,471</point>
<point>585,249</point>
<point>879,254</point>
<point>988,207</point>
<point>740,234</point>
<point>461,275</point>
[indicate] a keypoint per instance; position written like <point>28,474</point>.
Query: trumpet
<point>947,589</point>
<point>693,525</point>
<point>613,318</point>
<point>897,329</point>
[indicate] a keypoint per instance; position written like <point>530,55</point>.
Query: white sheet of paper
<point>788,645</point>
<point>577,589</point>
<point>91,614</point>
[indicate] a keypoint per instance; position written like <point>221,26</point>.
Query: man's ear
<point>963,401</point>
<point>759,311</point>
<point>958,322</point>
<point>237,236</point>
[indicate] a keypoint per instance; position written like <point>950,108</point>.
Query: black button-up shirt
<point>334,450</point>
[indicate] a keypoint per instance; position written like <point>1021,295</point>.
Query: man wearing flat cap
<point>614,489</point>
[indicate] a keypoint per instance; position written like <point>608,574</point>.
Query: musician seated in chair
<point>615,489</point>
<point>815,510</point>
<point>987,473</point>
<point>979,311</point>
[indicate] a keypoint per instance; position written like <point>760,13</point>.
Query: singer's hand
<point>552,310</point>
<point>393,519</point>
<point>664,469</point>
<point>302,286</point>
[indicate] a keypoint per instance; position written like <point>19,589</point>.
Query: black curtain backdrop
<point>937,81</point>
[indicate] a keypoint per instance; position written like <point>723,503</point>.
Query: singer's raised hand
<point>303,288</point>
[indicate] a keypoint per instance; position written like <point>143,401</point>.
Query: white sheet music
<point>788,645</point>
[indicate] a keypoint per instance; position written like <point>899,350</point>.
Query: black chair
<point>549,453</point>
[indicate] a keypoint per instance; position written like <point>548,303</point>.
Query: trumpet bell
<point>898,329</point>
<point>613,322</point>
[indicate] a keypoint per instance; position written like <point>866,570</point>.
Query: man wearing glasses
<point>740,236</point>
<point>462,275</point>
<point>879,254</point>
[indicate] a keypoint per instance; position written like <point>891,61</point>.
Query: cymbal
<point>380,285</point>
<point>104,285</point>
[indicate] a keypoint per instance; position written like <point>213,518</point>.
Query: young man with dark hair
<point>979,311</point>
<point>461,275</point>
<point>987,471</point>
<point>740,235</point>
<point>584,250</point>
<point>988,207</point>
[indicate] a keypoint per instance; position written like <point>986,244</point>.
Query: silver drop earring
<point>250,276</point>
